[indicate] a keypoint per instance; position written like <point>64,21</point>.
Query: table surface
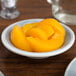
<point>15,65</point>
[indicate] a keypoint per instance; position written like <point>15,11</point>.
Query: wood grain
<point>15,65</point>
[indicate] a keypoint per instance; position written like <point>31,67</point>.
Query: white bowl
<point>71,69</point>
<point>69,40</point>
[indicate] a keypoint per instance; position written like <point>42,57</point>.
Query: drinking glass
<point>8,9</point>
<point>64,10</point>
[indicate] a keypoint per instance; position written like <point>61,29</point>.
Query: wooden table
<point>15,65</point>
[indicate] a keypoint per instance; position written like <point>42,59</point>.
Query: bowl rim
<point>35,54</point>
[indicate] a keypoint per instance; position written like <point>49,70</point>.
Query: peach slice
<point>28,26</point>
<point>46,27</point>
<point>55,25</point>
<point>45,45</point>
<point>18,38</point>
<point>37,33</point>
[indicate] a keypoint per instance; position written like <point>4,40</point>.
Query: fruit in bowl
<point>44,36</point>
<point>37,38</point>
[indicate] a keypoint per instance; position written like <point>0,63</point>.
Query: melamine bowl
<point>69,40</point>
